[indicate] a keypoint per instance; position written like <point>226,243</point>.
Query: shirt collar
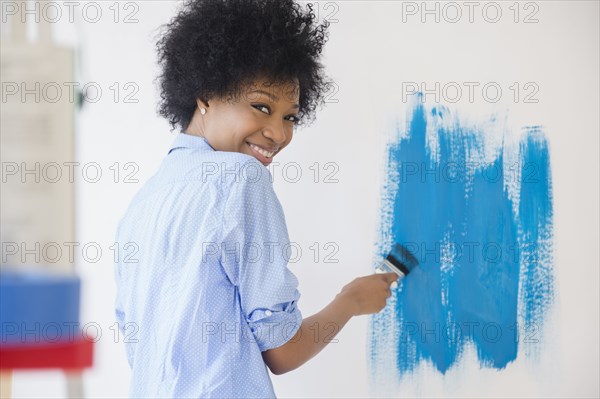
<point>184,140</point>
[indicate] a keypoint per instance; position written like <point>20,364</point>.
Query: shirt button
<point>268,313</point>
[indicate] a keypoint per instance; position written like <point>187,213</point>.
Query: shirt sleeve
<point>255,253</point>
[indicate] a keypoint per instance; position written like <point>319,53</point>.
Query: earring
<point>203,111</point>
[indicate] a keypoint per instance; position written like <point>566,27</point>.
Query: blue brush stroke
<point>496,276</point>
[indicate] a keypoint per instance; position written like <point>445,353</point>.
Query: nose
<point>276,133</point>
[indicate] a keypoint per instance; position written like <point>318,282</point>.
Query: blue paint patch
<point>478,217</point>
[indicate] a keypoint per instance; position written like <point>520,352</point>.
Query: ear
<point>201,103</point>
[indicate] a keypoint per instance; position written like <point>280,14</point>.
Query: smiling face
<point>258,122</point>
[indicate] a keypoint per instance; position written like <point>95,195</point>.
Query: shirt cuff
<point>275,326</point>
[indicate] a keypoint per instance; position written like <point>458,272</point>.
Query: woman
<point>209,302</point>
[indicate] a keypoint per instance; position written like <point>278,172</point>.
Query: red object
<point>75,354</point>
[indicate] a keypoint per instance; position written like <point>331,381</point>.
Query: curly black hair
<point>212,48</point>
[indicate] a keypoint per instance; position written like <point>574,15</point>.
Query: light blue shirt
<point>203,285</point>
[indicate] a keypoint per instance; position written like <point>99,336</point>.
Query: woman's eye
<point>260,107</point>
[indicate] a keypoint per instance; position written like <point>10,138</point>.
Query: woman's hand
<point>368,294</point>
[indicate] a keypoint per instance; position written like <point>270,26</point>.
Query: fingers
<point>390,277</point>
<point>392,280</point>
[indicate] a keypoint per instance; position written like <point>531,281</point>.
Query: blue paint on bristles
<point>400,261</point>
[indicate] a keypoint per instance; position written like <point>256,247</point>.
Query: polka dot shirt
<point>202,280</point>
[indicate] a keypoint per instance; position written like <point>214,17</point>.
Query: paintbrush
<point>400,261</point>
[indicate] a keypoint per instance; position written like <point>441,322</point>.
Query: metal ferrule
<point>387,265</point>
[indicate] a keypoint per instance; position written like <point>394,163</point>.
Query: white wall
<point>370,53</point>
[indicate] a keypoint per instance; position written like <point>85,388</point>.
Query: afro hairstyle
<point>213,48</point>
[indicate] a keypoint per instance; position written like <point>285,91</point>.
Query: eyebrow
<point>272,96</point>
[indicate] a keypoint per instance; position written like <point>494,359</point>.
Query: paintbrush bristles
<point>402,258</point>
<point>401,253</point>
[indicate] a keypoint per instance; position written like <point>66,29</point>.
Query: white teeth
<point>263,152</point>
